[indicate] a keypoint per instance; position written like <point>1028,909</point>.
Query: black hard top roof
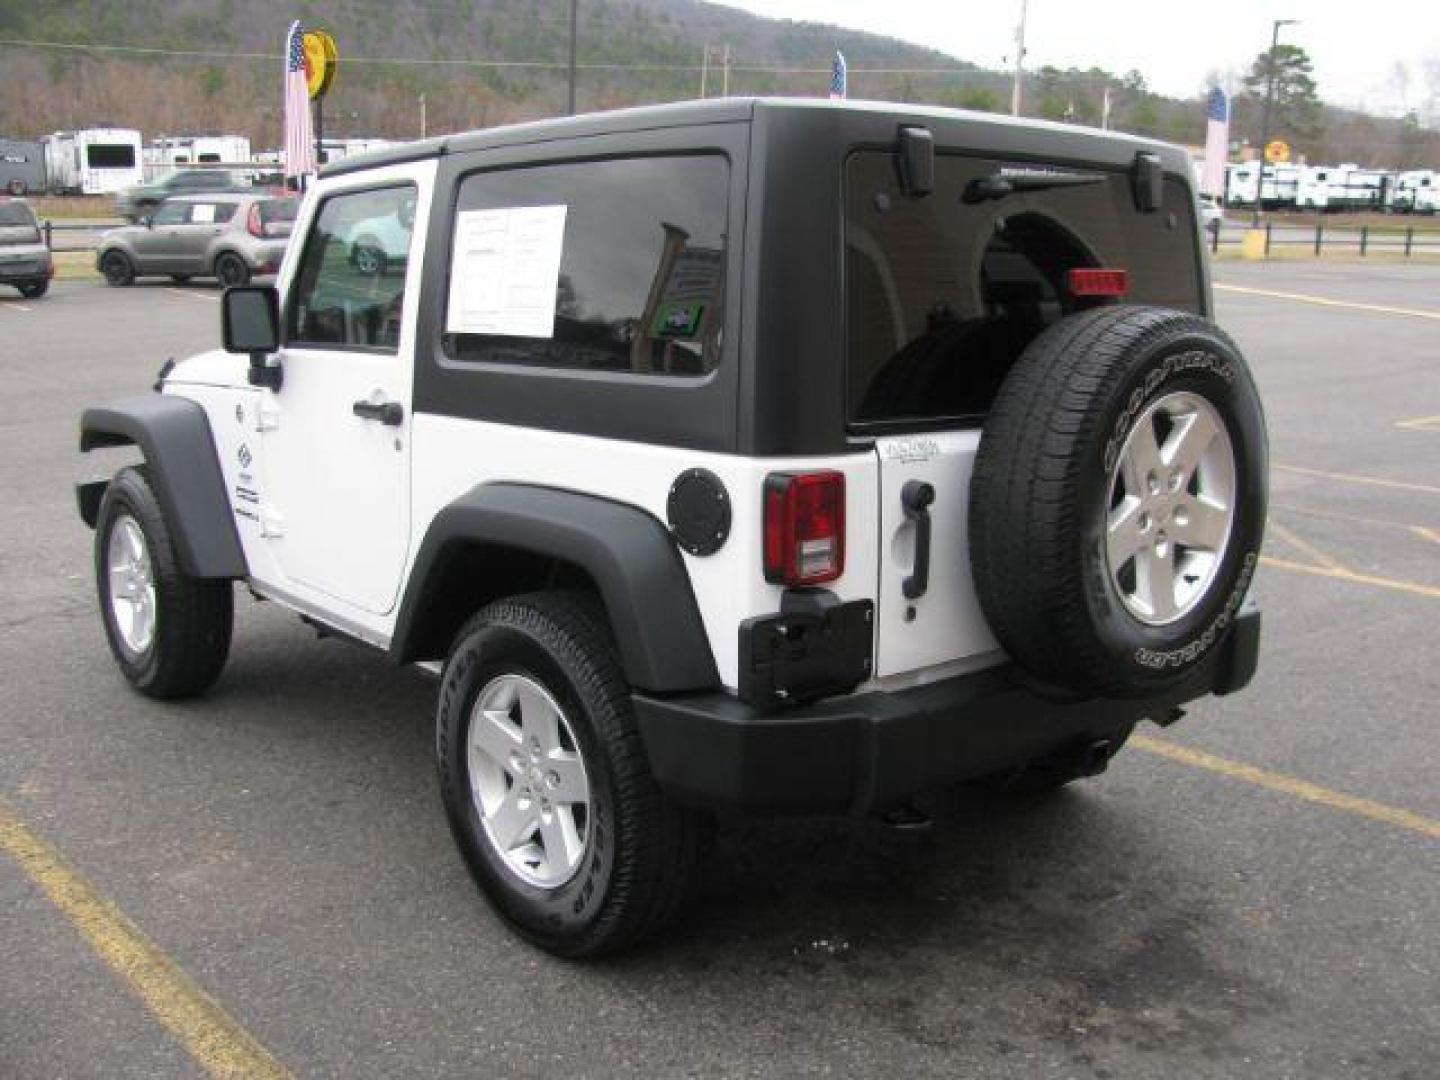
<point>689,113</point>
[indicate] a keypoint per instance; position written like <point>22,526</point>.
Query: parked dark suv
<point>136,202</point>
<point>25,260</point>
<point>767,455</point>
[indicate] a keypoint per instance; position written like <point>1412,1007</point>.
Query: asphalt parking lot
<point>1252,892</point>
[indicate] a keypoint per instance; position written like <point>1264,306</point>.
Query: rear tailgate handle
<point>391,413</point>
<point>916,497</point>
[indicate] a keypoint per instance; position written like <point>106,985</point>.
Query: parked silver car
<point>24,259</point>
<point>227,236</point>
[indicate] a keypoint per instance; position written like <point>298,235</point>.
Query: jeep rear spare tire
<point>1118,500</point>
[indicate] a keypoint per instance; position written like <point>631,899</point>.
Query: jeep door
<point>337,453</point>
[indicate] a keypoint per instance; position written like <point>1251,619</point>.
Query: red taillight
<point>804,527</point>
<point>1094,282</point>
<point>253,225</point>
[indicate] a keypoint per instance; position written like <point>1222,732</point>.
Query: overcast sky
<point>1355,45</point>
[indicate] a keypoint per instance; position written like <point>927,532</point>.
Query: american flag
<point>1217,143</point>
<point>299,133</point>
<point>837,76</point>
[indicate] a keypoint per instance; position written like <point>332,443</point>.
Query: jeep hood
<point>214,368</point>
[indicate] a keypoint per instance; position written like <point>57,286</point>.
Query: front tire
<point>33,290</point>
<point>546,785</point>
<point>169,632</point>
<point>117,268</point>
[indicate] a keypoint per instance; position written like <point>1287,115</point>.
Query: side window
<point>223,212</point>
<point>600,265</point>
<point>350,288</point>
<point>172,213</point>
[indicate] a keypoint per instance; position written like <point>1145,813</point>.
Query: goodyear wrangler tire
<point>1118,500</point>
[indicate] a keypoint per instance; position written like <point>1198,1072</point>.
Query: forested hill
<point>214,65</point>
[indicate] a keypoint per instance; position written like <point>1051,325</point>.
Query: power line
<point>211,54</point>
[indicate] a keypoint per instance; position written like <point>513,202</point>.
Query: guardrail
<point>82,242</point>
<point>1364,240</point>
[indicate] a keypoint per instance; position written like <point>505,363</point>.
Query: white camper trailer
<point>93,161</point>
<point>1416,191</point>
<point>1342,187</point>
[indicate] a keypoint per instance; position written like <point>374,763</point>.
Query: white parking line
<point>17,307</point>
<point>193,295</point>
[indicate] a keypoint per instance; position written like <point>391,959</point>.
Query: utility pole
<point>1105,109</point>
<point>725,72</point>
<point>422,116</point>
<point>1019,62</point>
<point>574,33</point>
<point>1265,115</point>
<point>704,69</point>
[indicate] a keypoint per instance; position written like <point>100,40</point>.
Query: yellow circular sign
<point>321,58</point>
<point>1277,150</point>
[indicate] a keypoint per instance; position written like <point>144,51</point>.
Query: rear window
<point>110,156</point>
<point>942,295</point>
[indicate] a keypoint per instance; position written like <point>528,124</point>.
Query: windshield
<point>17,224</point>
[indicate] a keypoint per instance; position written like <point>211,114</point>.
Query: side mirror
<point>250,323</point>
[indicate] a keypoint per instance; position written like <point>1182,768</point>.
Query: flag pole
<point>319,136</point>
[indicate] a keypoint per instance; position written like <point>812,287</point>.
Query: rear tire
<point>231,270</point>
<point>117,268</point>
<point>33,290</point>
<point>1118,500</point>
<point>546,784</point>
<point>169,632</point>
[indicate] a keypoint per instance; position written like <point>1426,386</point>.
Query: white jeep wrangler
<point>785,456</point>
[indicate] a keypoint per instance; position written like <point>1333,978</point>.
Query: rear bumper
<point>865,752</point>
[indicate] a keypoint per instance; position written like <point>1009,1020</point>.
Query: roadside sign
<point>1276,151</point>
<point>321,58</point>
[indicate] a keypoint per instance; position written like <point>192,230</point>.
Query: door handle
<point>916,497</point>
<point>390,413</point>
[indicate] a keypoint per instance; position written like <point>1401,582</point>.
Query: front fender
<point>174,435</point>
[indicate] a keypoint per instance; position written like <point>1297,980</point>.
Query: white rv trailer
<point>93,161</point>
<point>1243,185</point>
<point>1343,187</point>
<point>1416,191</point>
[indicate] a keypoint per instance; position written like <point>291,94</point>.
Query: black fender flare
<point>174,435</point>
<point>630,556</point>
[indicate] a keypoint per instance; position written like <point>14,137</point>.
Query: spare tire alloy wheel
<point>1118,500</point>
<point>1172,507</point>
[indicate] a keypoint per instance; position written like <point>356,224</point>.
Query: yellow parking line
<point>211,1036</point>
<point>1420,423</point>
<point>1290,785</point>
<point>1432,535</point>
<point>14,307</point>
<point>1331,515</point>
<point>1411,587</point>
<point>1304,545</point>
<point>1325,301</point>
<point>1351,478</point>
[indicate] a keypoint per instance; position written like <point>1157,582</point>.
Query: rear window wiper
<point>998,185</point>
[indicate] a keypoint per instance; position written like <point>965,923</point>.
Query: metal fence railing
<point>1364,240</point>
